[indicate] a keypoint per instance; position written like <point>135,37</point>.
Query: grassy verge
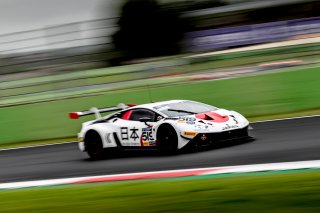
<point>163,67</point>
<point>267,192</point>
<point>254,96</point>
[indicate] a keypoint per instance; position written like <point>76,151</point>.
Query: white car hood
<point>216,121</point>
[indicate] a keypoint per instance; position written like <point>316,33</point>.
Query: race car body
<point>167,126</point>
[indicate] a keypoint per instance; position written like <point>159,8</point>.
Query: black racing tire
<point>93,144</point>
<point>167,139</point>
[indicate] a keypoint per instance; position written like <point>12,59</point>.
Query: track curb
<point>167,174</point>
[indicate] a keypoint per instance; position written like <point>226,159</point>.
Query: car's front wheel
<point>94,147</point>
<point>167,139</point>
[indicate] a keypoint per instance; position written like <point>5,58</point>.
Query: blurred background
<point>60,56</point>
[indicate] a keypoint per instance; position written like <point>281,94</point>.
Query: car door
<point>133,132</point>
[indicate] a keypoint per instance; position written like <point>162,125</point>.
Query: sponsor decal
<point>127,143</point>
<point>124,131</point>
<point>234,118</point>
<point>230,127</point>
<point>187,120</point>
<point>190,120</point>
<point>147,138</point>
<point>172,118</point>
<point>181,121</point>
<point>134,134</point>
<point>190,133</point>
<point>203,137</point>
<point>201,127</point>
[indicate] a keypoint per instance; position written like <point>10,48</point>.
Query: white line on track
<point>52,144</point>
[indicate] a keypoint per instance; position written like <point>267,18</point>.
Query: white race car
<point>167,126</point>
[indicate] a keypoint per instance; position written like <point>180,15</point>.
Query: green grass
<point>266,192</point>
<point>255,96</point>
<point>84,92</point>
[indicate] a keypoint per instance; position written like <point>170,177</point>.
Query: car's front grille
<point>211,138</point>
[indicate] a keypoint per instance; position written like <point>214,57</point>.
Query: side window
<point>136,114</point>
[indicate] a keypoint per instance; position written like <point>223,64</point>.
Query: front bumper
<point>205,139</point>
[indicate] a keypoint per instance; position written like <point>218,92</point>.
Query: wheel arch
<point>105,132</point>
<point>90,131</point>
<point>164,125</point>
<point>167,146</point>
<point>178,129</point>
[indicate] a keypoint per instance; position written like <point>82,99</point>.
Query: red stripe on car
<point>213,117</point>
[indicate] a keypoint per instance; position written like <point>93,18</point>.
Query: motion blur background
<point>60,56</point>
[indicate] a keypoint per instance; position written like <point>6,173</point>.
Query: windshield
<point>184,108</point>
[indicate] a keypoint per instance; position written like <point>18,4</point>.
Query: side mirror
<point>145,119</point>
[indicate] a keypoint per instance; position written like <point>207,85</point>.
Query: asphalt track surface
<point>276,141</point>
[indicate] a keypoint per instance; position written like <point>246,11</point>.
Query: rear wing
<point>96,111</point>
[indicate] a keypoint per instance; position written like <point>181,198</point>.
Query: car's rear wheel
<point>167,139</point>
<point>94,147</point>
